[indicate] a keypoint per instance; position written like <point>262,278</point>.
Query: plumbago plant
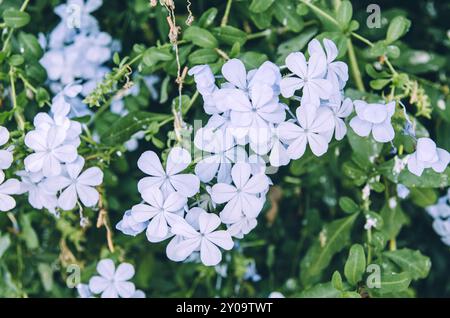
<point>224,148</point>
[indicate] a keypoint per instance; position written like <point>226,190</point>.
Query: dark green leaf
<point>125,127</point>
<point>397,28</point>
<point>15,18</point>
<point>200,37</point>
<point>344,13</point>
<point>332,239</point>
<point>30,46</point>
<point>356,264</point>
<point>348,205</point>
<point>203,56</point>
<point>230,35</point>
<point>412,262</point>
<point>259,6</point>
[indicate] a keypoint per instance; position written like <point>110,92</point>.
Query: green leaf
<point>344,13</point>
<point>296,43</point>
<point>29,46</point>
<point>393,220</point>
<point>348,205</point>
<point>379,83</point>
<point>423,197</point>
<point>397,28</point>
<point>428,179</point>
<point>5,243</point>
<point>46,273</point>
<point>200,37</point>
<point>28,234</point>
<point>413,262</point>
<point>16,60</point>
<point>203,56</point>
<point>208,17</point>
<point>253,60</point>
<point>334,237</point>
<point>15,18</point>
<point>320,291</point>
<point>154,55</point>
<point>366,147</point>
<point>284,11</point>
<point>336,281</point>
<point>125,127</point>
<point>392,283</point>
<point>230,35</point>
<point>356,264</point>
<point>259,6</point>
<point>42,96</point>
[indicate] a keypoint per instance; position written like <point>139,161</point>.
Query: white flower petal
<point>234,72</point>
<point>68,198</point>
<point>361,127</point>
<point>150,164</point>
<point>88,195</point>
<point>209,253</point>
<point>177,160</point>
<point>240,174</point>
<point>98,284</point>
<point>106,268</point>
<point>383,132</point>
<point>124,271</point>
<point>222,239</point>
<point>186,184</point>
<point>208,222</point>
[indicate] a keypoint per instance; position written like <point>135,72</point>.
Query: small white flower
<point>129,226</point>
<point>337,71</point>
<point>169,180</point>
<point>427,155</point>
<point>276,294</point>
<point>6,157</point>
<point>310,78</point>
<point>314,123</point>
<point>10,186</point>
<point>112,282</point>
<point>341,110</point>
<point>206,239</point>
<point>38,195</point>
<point>222,153</point>
<point>375,118</point>
<point>50,151</point>
<point>206,85</point>
<point>76,185</point>
<point>236,75</point>
<point>244,196</point>
<point>242,227</point>
<point>370,223</point>
<point>161,212</point>
<point>253,111</point>
<point>402,191</point>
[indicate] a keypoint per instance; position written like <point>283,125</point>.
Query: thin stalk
<point>17,112</point>
<point>226,14</point>
<point>354,66</point>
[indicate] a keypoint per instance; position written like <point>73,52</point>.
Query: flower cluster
<point>76,48</point>
<point>10,186</point>
<point>441,217</point>
<point>247,133</point>
<point>111,282</point>
<point>55,166</point>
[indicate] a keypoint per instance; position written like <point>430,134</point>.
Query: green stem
<point>17,112</point>
<point>226,14</point>
<point>369,247</point>
<point>320,12</point>
<point>261,34</point>
<point>354,66</point>
<point>10,33</point>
